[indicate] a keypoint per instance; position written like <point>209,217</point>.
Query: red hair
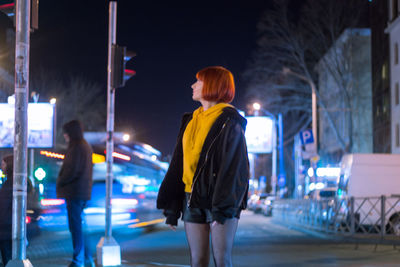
<point>218,84</point>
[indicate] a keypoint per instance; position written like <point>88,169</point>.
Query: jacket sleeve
<point>172,189</point>
<point>232,176</point>
<point>70,168</point>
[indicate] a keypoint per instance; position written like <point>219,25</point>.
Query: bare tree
<point>77,98</point>
<point>295,36</point>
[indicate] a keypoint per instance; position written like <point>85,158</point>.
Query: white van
<point>367,177</point>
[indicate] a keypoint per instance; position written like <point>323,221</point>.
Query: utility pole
<point>282,172</point>
<point>313,100</point>
<point>108,250</point>
<point>20,134</point>
<point>274,150</point>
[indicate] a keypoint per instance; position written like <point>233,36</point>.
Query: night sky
<point>173,40</point>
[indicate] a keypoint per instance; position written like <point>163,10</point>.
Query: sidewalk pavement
<point>64,261</point>
<point>56,251</point>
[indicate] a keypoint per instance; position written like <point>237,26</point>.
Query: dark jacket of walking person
<point>6,199</point>
<point>74,184</point>
<point>6,196</point>
<point>207,180</point>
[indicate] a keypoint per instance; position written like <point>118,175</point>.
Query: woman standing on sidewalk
<point>207,180</point>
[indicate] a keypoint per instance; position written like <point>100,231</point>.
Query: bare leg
<point>198,236</point>
<point>222,236</point>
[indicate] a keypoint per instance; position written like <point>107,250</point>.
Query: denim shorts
<point>197,215</point>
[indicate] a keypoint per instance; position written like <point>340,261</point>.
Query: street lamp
<point>287,71</point>
<point>126,137</point>
<point>256,106</point>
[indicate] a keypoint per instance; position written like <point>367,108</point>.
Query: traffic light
<point>40,174</point>
<point>8,8</point>
<point>119,73</point>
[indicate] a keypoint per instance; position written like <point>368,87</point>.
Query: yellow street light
<point>256,106</point>
<point>126,137</point>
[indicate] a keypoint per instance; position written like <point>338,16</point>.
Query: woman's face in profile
<point>197,90</point>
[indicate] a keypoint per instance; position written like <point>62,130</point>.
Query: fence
<point>374,217</point>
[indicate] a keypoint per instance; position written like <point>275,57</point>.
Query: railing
<point>377,217</point>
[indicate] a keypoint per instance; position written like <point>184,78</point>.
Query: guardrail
<point>377,217</point>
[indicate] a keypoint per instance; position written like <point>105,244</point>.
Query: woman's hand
<point>172,227</point>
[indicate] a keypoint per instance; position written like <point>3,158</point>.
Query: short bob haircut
<point>218,84</point>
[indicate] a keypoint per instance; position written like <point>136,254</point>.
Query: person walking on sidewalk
<point>74,184</point>
<point>207,180</point>
<point>6,196</point>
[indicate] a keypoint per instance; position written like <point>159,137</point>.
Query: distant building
<point>345,88</point>
<point>380,77</point>
<point>393,29</point>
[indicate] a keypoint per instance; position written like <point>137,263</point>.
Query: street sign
<point>306,137</point>
<point>307,140</point>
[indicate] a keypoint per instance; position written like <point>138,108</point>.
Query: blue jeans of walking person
<point>6,250</point>
<point>80,241</point>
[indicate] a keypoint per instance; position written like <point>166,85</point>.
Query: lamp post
<point>277,123</point>
<point>313,100</point>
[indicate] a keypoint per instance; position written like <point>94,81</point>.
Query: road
<point>260,241</point>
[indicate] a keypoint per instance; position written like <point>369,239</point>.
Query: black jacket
<point>75,178</point>
<point>220,182</point>
<point>6,196</point>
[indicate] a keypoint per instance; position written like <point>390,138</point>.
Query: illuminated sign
<point>52,154</point>
<point>259,134</point>
<point>40,125</point>
<point>328,172</point>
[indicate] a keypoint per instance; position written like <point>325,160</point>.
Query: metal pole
<point>20,134</point>
<point>110,116</point>
<point>31,163</point>
<point>282,173</point>
<point>108,250</point>
<point>314,113</point>
<point>383,213</point>
<point>274,162</point>
<point>297,164</point>
<point>313,99</point>
<point>352,217</point>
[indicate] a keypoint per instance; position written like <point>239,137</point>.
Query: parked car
<point>256,202</point>
<point>268,205</point>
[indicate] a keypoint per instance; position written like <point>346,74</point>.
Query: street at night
<point>272,125</point>
<point>260,241</point>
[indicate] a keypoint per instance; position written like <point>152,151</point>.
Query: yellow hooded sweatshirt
<point>194,137</point>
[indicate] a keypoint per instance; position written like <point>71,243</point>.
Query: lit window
<point>384,71</point>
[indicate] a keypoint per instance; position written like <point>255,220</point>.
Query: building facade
<point>345,88</point>
<point>393,30</point>
<point>381,107</point>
